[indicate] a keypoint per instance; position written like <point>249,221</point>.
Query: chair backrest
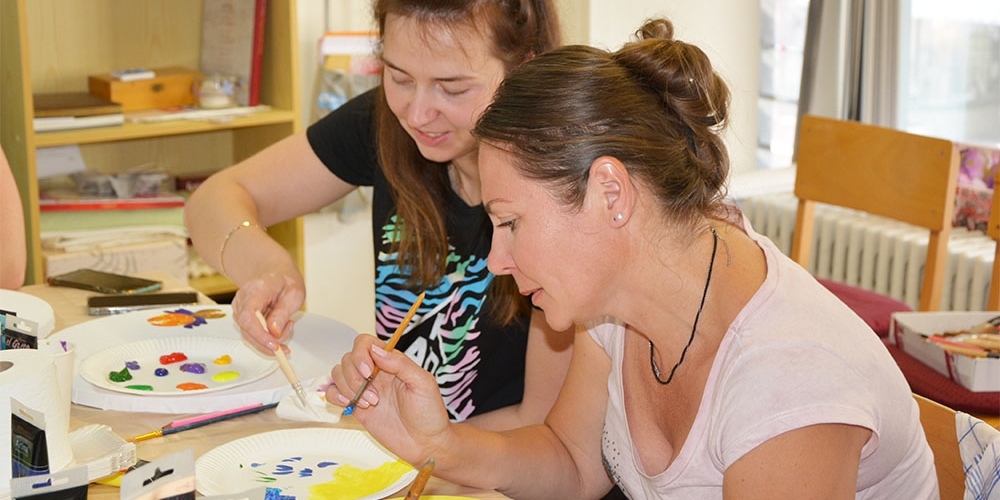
<point>938,422</point>
<point>881,171</point>
<point>993,230</point>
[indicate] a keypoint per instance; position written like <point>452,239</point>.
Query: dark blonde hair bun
<point>656,105</point>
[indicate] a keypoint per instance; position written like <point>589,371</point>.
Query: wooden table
<point>69,306</point>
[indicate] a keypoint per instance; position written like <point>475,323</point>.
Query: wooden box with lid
<point>172,86</point>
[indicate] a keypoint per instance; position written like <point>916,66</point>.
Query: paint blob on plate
<point>225,376</point>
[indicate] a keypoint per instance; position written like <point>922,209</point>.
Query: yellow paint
<point>350,482</point>
<point>225,359</point>
<point>225,376</point>
<point>437,497</point>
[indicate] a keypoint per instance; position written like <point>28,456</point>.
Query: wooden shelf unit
<point>53,45</point>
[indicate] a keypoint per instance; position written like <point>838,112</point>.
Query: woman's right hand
<point>402,408</point>
<point>277,296</point>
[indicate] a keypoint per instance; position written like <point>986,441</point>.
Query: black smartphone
<point>104,282</point>
<point>103,305</point>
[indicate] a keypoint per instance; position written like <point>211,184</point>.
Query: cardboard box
<point>910,329</point>
<point>172,86</point>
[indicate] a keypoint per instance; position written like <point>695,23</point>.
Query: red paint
<point>174,357</point>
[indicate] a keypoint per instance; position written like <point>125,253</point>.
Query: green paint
<point>120,376</point>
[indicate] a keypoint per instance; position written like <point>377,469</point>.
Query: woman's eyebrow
<point>488,206</point>
<point>458,78</point>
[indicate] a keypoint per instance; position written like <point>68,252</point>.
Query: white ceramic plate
<point>146,354</point>
<point>305,464</point>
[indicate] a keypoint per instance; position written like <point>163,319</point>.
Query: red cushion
<point>876,309</point>
<point>925,381</point>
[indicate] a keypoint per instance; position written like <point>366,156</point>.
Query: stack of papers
<point>73,110</point>
<point>101,450</point>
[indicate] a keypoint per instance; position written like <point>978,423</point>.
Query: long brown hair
<point>519,30</point>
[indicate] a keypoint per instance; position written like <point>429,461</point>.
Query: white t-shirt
<point>795,356</point>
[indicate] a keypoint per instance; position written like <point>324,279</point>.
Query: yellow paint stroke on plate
<point>225,376</point>
<point>350,482</point>
<point>225,359</point>
<point>437,497</point>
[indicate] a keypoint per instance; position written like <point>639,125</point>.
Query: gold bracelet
<point>225,241</point>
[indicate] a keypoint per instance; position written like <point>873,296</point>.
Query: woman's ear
<point>611,190</point>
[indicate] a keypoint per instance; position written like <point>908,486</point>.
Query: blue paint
<point>275,494</point>
<point>349,410</point>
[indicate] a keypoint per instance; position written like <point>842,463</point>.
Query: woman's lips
<point>431,138</point>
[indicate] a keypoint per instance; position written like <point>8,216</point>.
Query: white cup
<point>63,357</point>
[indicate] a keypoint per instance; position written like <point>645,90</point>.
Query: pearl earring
<point>619,216</point>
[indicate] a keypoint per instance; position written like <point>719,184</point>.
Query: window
<point>950,70</point>
<point>782,29</point>
<point>929,67</point>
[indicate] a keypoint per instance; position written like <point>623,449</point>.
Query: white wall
<point>339,272</point>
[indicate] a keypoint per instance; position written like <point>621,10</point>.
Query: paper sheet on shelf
<point>318,344</point>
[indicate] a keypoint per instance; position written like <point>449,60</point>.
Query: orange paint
<point>210,314</point>
<point>191,386</point>
<point>171,319</point>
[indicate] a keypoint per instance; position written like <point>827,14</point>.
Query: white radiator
<point>878,254</point>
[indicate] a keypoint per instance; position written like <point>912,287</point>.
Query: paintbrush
<point>989,326</point>
<point>286,368</point>
<point>349,409</point>
<point>195,422</point>
<point>418,484</point>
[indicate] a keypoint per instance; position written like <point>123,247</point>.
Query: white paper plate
<point>146,354</point>
<point>348,463</point>
<point>318,343</point>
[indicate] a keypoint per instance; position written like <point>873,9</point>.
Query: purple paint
<point>193,367</point>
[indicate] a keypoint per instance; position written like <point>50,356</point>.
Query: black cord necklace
<point>652,361</point>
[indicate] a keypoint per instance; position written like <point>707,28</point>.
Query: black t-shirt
<point>478,364</point>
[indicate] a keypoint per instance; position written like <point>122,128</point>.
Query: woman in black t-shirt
<point>495,360</point>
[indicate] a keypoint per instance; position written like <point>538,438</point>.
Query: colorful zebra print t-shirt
<point>479,365</point>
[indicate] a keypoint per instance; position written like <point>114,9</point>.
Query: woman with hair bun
<point>709,365</point>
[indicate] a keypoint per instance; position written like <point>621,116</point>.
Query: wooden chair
<point>881,171</point>
<point>993,230</point>
<point>938,422</point>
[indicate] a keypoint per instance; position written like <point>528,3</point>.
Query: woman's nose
<point>422,109</point>
<point>499,260</point>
